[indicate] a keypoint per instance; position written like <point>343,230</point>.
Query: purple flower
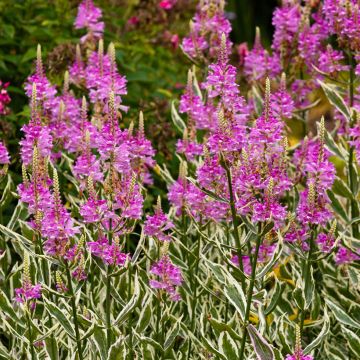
<point>345,256</point>
<point>299,356</point>
<point>156,225</point>
<point>28,292</point>
<point>169,277</point>
<point>4,155</point>
<point>109,253</point>
<point>88,17</point>
<point>325,242</point>
<point>4,98</point>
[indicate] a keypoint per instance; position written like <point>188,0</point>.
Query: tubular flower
<point>169,277</point>
<point>4,155</point>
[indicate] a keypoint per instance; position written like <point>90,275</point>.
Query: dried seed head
<point>132,185</point>
<point>311,195</point>
<point>141,124</point>
<point>333,228</point>
<point>189,80</point>
<point>61,109</point>
<point>25,177</point>
<point>283,82</point>
<point>298,350</point>
<point>206,152</point>
<point>35,161</point>
<point>131,129</point>
<point>112,54</point>
<point>183,170</point>
<point>165,247</point>
<point>267,99</point>
<point>221,120</point>
<point>223,49</point>
<point>158,208</point>
<point>257,36</point>
<point>39,66</point>
<point>90,187</point>
<point>66,82</point>
<point>270,188</point>
<point>78,54</point>
<point>26,271</point>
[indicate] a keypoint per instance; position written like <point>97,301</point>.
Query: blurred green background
<point>155,69</point>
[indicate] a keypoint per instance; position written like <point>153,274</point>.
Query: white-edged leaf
<point>336,99</point>
<point>353,341</point>
<point>228,346</point>
<point>177,120</point>
<point>261,347</point>
<point>128,308</point>
<point>341,315</point>
<point>56,312</point>
<point>323,333</point>
<point>274,259</point>
<point>100,342</point>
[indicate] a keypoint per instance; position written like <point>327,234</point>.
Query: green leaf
<point>323,333</point>
<point>7,308</point>
<point>335,99</point>
<point>177,120</point>
<point>335,204</point>
<point>56,312</point>
<point>100,342</point>
<point>276,295</point>
<point>340,188</point>
<point>117,350</point>
<point>228,346</point>
<point>353,341</point>
<point>341,315</point>
<point>129,307</point>
<point>220,326</point>
<point>335,148</point>
<point>309,290</point>
<point>174,332</point>
<point>261,347</point>
<point>145,316</point>
<point>51,348</point>
<point>274,259</point>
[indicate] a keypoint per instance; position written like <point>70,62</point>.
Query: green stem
<point>194,288</point>
<point>73,305</point>
<point>306,276</point>
<point>249,295</point>
<point>108,296</point>
<point>130,332</point>
<point>32,350</point>
<point>351,175</point>
<point>235,225</point>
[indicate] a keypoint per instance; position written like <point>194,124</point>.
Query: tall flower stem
<point>130,332</point>
<point>235,223</point>
<point>108,296</point>
<point>351,175</point>
<point>193,286</point>
<point>32,350</point>
<point>250,294</point>
<point>73,305</point>
<point>306,276</point>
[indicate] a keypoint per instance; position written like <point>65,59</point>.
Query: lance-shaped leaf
<point>274,259</point>
<point>336,99</point>
<point>177,120</point>
<point>174,332</point>
<point>100,342</point>
<point>128,308</point>
<point>353,341</point>
<point>228,346</point>
<point>56,312</point>
<point>261,347</point>
<point>341,315</point>
<point>323,333</point>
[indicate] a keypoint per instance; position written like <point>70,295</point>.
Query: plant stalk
<point>73,305</point>
<point>249,295</point>
<point>235,225</point>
